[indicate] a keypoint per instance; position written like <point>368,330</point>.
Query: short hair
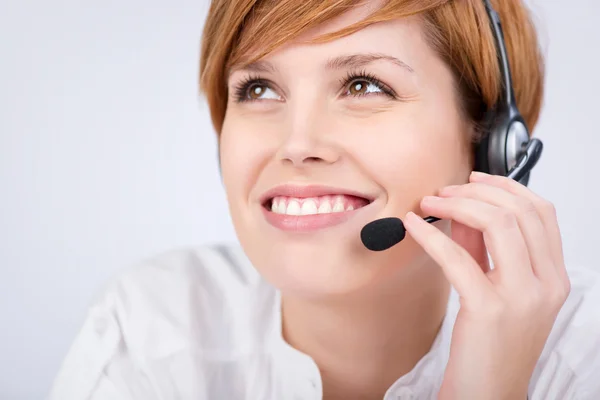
<point>243,31</point>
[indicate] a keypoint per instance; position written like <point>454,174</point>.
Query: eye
<point>256,92</point>
<point>254,89</point>
<point>361,87</point>
<point>364,84</point>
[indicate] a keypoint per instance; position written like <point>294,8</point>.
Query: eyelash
<point>370,78</point>
<point>241,89</point>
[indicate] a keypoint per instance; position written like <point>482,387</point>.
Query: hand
<point>507,312</point>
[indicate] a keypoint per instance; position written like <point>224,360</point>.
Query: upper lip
<point>303,191</point>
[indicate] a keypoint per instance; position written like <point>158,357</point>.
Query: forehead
<point>354,15</point>
<point>273,24</point>
<point>397,40</point>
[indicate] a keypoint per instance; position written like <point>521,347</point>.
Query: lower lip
<point>307,223</point>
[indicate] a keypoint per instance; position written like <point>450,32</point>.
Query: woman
<point>331,115</point>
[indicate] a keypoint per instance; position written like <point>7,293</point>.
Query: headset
<point>506,147</point>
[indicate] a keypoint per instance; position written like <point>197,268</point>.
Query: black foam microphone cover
<point>383,233</point>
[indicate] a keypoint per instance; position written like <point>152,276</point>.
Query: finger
<point>460,269</point>
<point>530,224</point>
<point>500,229</point>
<point>545,209</point>
<point>472,241</point>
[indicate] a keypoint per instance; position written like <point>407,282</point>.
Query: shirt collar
<point>426,375</point>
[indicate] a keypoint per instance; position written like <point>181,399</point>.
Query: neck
<point>364,343</point>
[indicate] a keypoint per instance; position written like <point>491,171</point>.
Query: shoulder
<point>190,296</point>
<point>215,265</point>
<point>182,300</point>
<point>568,367</point>
<point>196,287</point>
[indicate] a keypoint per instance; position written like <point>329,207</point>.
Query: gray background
<point>107,156</point>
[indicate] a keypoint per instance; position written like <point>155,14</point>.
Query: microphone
<point>384,233</point>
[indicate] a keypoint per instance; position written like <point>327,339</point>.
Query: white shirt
<point>202,324</point>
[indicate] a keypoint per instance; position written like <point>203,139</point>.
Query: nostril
<point>312,159</point>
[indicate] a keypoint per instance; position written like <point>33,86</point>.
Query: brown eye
<point>256,91</point>
<point>361,85</point>
<point>358,87</point>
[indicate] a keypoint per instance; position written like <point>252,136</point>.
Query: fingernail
<point>478,175</point>
<point>448,189</point>
<point>412,217</point>
<point>431,199</point>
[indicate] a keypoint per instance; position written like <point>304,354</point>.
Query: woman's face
<point>320,139</point>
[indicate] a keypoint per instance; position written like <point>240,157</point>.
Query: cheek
<point>415,152</point>
<point>241,153</point>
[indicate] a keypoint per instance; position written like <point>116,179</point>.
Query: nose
<point>307,144</point>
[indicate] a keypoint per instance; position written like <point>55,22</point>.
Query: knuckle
<point>563,290</point>
<point>531,303</point>
<point>502,219</point>
<point>547,208</point>
<point>526,208</point>
<point>566,286</point>
<point>526,300</point>
<point>557,294</point>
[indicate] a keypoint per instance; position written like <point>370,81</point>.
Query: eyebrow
<point>257,66</point>
<point>360,60</point>
<point>341,62</point>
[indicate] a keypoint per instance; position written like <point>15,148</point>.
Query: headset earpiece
<point>503,143</point>
<point>504,148</point>
<point>507,137</point>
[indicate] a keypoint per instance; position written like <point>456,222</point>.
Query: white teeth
<point>339,204</point>
<point>293,208</point>
<point>281,207</point>
<point>324,207</point>
<point>309,207</point>
<point>278,205</point>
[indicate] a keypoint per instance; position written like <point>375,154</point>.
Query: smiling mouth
<point>329,204</point>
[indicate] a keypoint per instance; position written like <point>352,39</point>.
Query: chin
<point>320,267</point>
<point>324,257</point>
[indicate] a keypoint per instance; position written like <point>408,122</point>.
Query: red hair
<point>459,30</point>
